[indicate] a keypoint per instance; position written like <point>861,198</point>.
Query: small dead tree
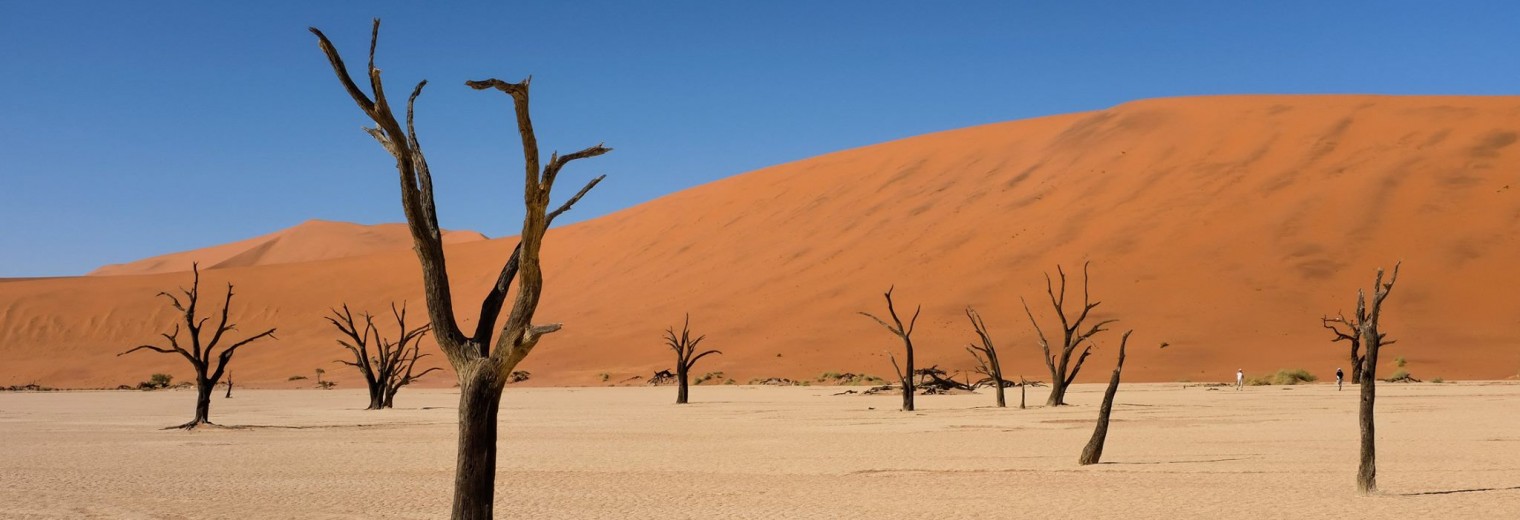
<point>1093,452</point>
<point>208,362</point>
<point>986,356</point>
<point>229,386</point>
<point>686,355</point>
<point>1062,371</point>
<point>391,365</point>
<point>481,364</point>
<point>906,334</point>
<point>1366,473</point>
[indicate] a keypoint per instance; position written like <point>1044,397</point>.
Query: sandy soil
<point>1446,451</point>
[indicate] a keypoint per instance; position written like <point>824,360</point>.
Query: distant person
<point>1240,379</point>
<point>1339,377</point>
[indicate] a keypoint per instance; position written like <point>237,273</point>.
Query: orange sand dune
<point>306,242</point>
<point>1223,225</point>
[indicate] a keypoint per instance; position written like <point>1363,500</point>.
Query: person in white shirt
<point>1339,377</point>
<point>1240,378</point>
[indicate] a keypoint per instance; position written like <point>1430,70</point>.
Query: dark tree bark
<point>986,357</point>
<point>481,363</point>
<point>1093,452</point>
<point>208,362</point>
<point>1352,334</point>
<point>392,363</point>
<point>686,355</point>
<point>1062,370</point>
<point>229,386</point>
<point>1366,473</point>
<point>906,334</point>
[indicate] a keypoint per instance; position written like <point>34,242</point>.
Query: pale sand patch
<point>765,452</point>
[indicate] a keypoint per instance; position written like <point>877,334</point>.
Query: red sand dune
<point>1223,225</point>
<point>308,241</point>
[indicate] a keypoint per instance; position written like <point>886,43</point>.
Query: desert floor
<point>1445,451</point>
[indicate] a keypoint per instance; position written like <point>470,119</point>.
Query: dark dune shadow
<point>1455,491</point>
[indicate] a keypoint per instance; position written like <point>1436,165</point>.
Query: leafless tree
<point>686,355</point>
<point>1093,452</point>
<point>986,356</point>
<point>391,365</point>
<point>209,363</point>
<point>228,395</point>
<point>481,364</point>
<point>1062,370</point>
<point>1366,473</point>
<point>1350,331</point>
<point>906,334</point>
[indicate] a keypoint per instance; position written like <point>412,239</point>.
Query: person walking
<point>1240,379</point>
<point>1339,377</point>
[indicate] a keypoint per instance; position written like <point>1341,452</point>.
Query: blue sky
<point>133,129</point>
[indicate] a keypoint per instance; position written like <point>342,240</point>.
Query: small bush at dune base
<point>1283,377</point>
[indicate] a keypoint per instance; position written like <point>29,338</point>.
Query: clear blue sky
<point>129,129</point>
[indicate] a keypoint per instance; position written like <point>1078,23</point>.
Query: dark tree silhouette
<point>905,377</point>
<point>1062,370</point>
<point>1093,452</point>
<point>390,366</point>
<point>986,357</point>
<point>685,347</point>
<point>209,363</point>
<point>1350,331</point>
<point>1366,473</point>
<point>481,364</point>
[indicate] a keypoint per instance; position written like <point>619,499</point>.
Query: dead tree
<point>391,365</point>
<point>1093,452</point>
<point>896,327</point>
<point>986,356</point>
<point>481,364</point>
<point>229,386</point>
<point>1366,473</point>
<point>208,362</point>
<point>1352,334</point>
<point>686,355</point>
<point>1062,370</point>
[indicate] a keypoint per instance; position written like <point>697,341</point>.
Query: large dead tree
<point>1366,473</point>
<point>483,360</point>
<point>1062,370</point>
<point>685,347</point>
<point>208,362</point>
<point>1093,452</point>
<point>905,377</point>
<point>391,364</point>
<point>986,356</point>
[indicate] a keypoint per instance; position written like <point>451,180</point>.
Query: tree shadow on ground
<point>1455,491</point>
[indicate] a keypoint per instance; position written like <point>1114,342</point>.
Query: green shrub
<point>1437,379</point>
<point>1399,362</point>
<point>296,378</point>
<point>160,380</point>
<point>604,376</point>
<point>1283,377</point>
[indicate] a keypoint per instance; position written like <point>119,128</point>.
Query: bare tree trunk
<point>203,388</point>
<point>906,334</point>
<point>1022,386</point>
<point>229,386</point>
<point>475,472</point>
<point>376,396</point>
<point>484,360</point>
<point>1093,452</point>
<point>1373,340</point>
<point>681,385</point>
<point>209,364</point>
<point>1366,471</point>
<point>685,348</point>
<point>1062,369</point>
